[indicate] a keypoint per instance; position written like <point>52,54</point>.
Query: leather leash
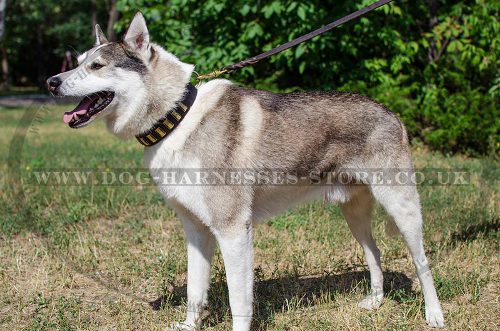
<point>253,60</point>
<point>169,122</point>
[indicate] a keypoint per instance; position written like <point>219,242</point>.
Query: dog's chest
<point>162,161</point>
<point>166,166</point>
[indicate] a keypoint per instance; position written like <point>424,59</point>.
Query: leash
<point>253,60</point>
<point>163,127</point>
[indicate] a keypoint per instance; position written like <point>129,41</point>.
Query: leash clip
<point>214,74</point>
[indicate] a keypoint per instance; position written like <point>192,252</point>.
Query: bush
<point>436,68</point>
<point>433,62</point>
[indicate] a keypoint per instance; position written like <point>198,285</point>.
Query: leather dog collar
<point>165,125</point>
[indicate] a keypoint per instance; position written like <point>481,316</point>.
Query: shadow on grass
<point>473,231</point>
<point>273,296</point>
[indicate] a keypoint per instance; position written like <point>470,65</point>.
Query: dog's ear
<point>100,38</point>
<point>137,36</point>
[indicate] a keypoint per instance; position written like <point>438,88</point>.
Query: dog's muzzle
<point>53,84</point>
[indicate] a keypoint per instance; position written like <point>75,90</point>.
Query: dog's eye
<point>96,66</point>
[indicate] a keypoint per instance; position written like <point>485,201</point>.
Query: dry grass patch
<point>113,258</point>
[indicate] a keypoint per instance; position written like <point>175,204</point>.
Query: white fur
<point>356,202</point>
<point>357,212</point>
<point>402,204</point>
<point>207,97</point>
<point>128,116</point>
<point>128,104</point>
<point>169,153</point>
<point>237,252</point>
<point>81,58</point>
<point>252,120</point>
<point>200,246</point>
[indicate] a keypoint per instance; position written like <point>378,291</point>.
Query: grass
<point>22,90</point>
<point>113,258</point>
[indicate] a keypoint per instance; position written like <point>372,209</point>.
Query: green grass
<point>113,258</point>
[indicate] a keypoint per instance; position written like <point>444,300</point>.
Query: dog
<point>134,83</point>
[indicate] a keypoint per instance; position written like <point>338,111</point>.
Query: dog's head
<point>129,83</point>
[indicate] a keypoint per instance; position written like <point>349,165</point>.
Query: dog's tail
<point>391,229</point>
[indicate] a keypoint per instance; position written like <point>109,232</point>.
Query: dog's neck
<point>165,85</point>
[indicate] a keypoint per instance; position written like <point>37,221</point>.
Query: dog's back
<point>300,132</point>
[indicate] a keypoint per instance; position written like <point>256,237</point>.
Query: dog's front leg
<point>237,251</point>
<point>200,248</point>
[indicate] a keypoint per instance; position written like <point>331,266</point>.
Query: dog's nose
<point>53,83</point>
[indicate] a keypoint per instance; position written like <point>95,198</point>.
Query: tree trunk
<point>40,62</point>
<point>93,13</point>
<point>5,63</point>
<point>433,21</point>
<point>5,84</point>
<point>112,18</point>
<point>3,3</point>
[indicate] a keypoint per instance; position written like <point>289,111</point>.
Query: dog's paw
<point>371,301</point>
<point>434,318</point>
<point>181,326</point>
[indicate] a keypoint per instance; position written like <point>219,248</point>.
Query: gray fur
<point>301,133</point>
<point>118,54</point>
<point>306,131</point>
<point>230,127</point>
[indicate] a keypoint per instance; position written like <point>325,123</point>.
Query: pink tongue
<point>81,109</point>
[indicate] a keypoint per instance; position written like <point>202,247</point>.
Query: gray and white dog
<point>133,83</point>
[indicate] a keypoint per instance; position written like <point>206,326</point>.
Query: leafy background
<point>434,62</point>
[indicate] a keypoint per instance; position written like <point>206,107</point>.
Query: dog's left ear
<point>100,38</point>
<point>137,36</point>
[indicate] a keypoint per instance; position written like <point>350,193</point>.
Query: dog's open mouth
<point>86,110</point>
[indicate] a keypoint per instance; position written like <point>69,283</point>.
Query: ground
<point>113,257</point>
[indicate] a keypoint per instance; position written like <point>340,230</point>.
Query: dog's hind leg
<point>358,212</point>
<point>402,204</point>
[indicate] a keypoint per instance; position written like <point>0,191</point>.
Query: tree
<point>112,19</point>
<point>5,63</point>
<point>433,62</point>
<point>3,3</point>
<point>38,34</point>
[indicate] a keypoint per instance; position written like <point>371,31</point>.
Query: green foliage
<point>438,71</point>
<point>38,33</point>
<point>443,80</point>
